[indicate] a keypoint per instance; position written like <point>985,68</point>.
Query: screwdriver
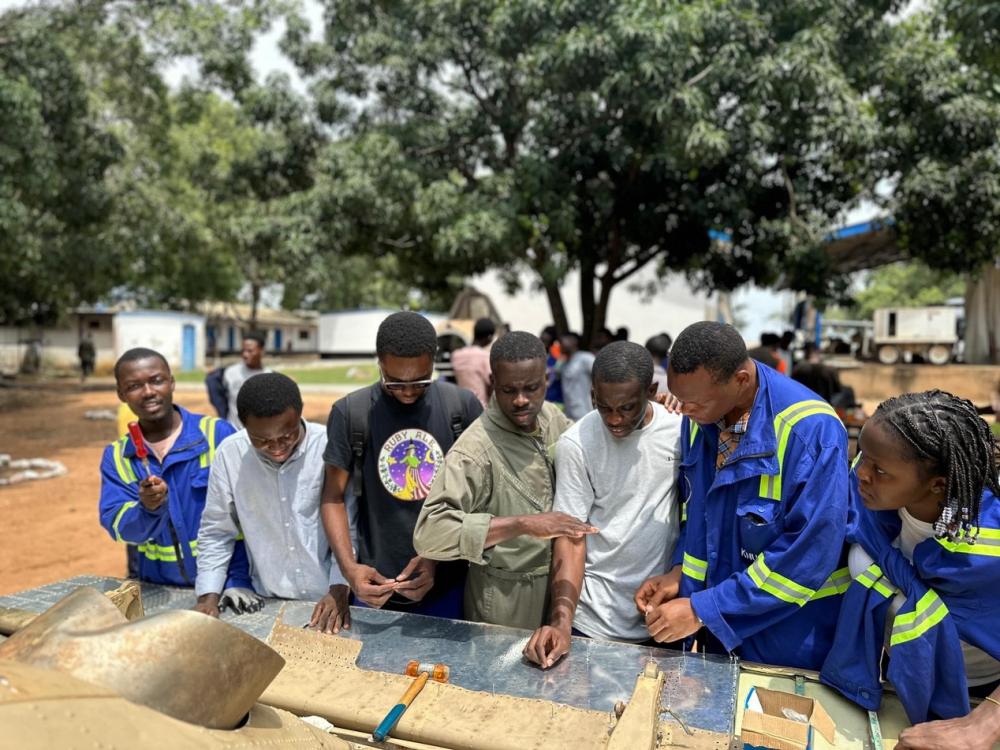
<point>135,432</point>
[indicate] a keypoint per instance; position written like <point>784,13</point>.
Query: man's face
<point>147,386</point>
<point>275,437</point>
<point>519,388</point>
<point>252,353</point>
<point>703,399</point>
<point>568,344</point>
<point>406,379</point>
<point>622,406</point>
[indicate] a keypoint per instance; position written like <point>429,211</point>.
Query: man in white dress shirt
<point>265,485</point>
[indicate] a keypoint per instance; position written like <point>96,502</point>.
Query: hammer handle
<point>387,724</point>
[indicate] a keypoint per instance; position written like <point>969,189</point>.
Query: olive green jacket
<point>495,470</point>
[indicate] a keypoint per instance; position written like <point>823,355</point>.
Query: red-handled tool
<point>135,432</point>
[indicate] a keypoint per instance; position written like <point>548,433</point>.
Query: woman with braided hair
<point>925,564</point>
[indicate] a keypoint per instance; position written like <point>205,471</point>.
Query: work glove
<point>241,601</point>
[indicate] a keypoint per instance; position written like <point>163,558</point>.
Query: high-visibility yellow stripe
<point>930,610</point>
<point>838,582</point>
<point>770,485</point>
<point>118,518</point>
<point>873,578</point>
<point>207,427</point>
<point>778,585</point>
<point>157,553</point>
<point>122,465</point>
<point>693,433</point>
<point>987,544</point>
<point>684,512</point>
<point>694,568</point>
<point>161,553</point>
<point>856,461</point>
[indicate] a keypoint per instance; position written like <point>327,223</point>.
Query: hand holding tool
<point>135,432</point>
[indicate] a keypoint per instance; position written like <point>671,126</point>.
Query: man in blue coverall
<point>760,563</point>
<point>160,512</point>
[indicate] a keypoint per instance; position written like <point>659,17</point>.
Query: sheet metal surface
<point>596,674</point>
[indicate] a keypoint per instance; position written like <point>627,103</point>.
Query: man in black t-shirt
<point>412,421</point>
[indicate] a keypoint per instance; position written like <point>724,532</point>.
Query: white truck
<point>930,332</point>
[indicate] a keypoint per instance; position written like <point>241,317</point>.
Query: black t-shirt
<point>403,456</point>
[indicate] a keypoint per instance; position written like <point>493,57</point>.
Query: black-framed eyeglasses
<point>402,385</point>
<point>281,441</point>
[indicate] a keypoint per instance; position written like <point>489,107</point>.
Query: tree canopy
<point>437,140</point>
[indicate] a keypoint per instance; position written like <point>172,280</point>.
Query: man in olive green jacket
<point>492,504</point>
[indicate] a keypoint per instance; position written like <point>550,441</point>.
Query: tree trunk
<point>601,308</point>
<point>254,304</point>
<point>556,306</point>
<point>587,272</point>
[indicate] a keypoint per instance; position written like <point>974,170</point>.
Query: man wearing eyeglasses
<point>266,485</point>
<point>388,442</point>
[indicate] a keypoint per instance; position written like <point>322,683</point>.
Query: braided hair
<point>947,432</point>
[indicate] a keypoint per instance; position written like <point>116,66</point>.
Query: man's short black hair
<point>134,355</point>
<point>770,340</point>
<point>571,335</point>
<point>516,346</point>
<point>717,347</point>
<point>258,336</point>
<point>484,328</point>
<point>659,345</point>
<point>406,334</point>
<point>268,395</point>
<point>622,362</point>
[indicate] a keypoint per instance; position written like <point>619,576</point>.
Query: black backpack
<point>358,409</point>
<point>218,395</point>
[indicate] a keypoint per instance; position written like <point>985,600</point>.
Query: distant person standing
<point>767,352</point>
<point>601,339</point>
<point>236,375</point>
<point>471,364</point>
<point>575,376</point>
<point>550,338</point>
<point>658,347</point>
<point>88,355</point>
<point>821,379</point>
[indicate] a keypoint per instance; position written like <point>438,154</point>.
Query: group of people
<point>727,517</point>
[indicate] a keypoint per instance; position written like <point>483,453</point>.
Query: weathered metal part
<point>636,730</point>
<point>182,663</point>
<point>43,708</point>
<point>596,675</point>
<point>322,677</point>
<point>127,598</point>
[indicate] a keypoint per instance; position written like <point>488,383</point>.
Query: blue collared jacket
<point>762,546</point>
<point>173,527</point>
<point>950,591</point>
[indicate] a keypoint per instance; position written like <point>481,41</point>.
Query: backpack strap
<point>359,406</point>
<point>451,398</point>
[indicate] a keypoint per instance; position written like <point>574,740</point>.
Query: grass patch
<point>362,374</point>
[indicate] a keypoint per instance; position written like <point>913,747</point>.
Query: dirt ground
<point>49,528</point>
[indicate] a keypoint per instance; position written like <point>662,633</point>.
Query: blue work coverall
<point>762,544</point>
<point>167,538</point>
<point>951,596</point>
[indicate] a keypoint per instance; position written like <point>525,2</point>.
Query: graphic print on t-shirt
<point>408,462</point>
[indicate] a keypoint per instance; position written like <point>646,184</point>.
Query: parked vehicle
<point>931,333</point>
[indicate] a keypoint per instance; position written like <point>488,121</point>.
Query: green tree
<point>598,136</point>
<point>54,156</point>
<point>939,146</point>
